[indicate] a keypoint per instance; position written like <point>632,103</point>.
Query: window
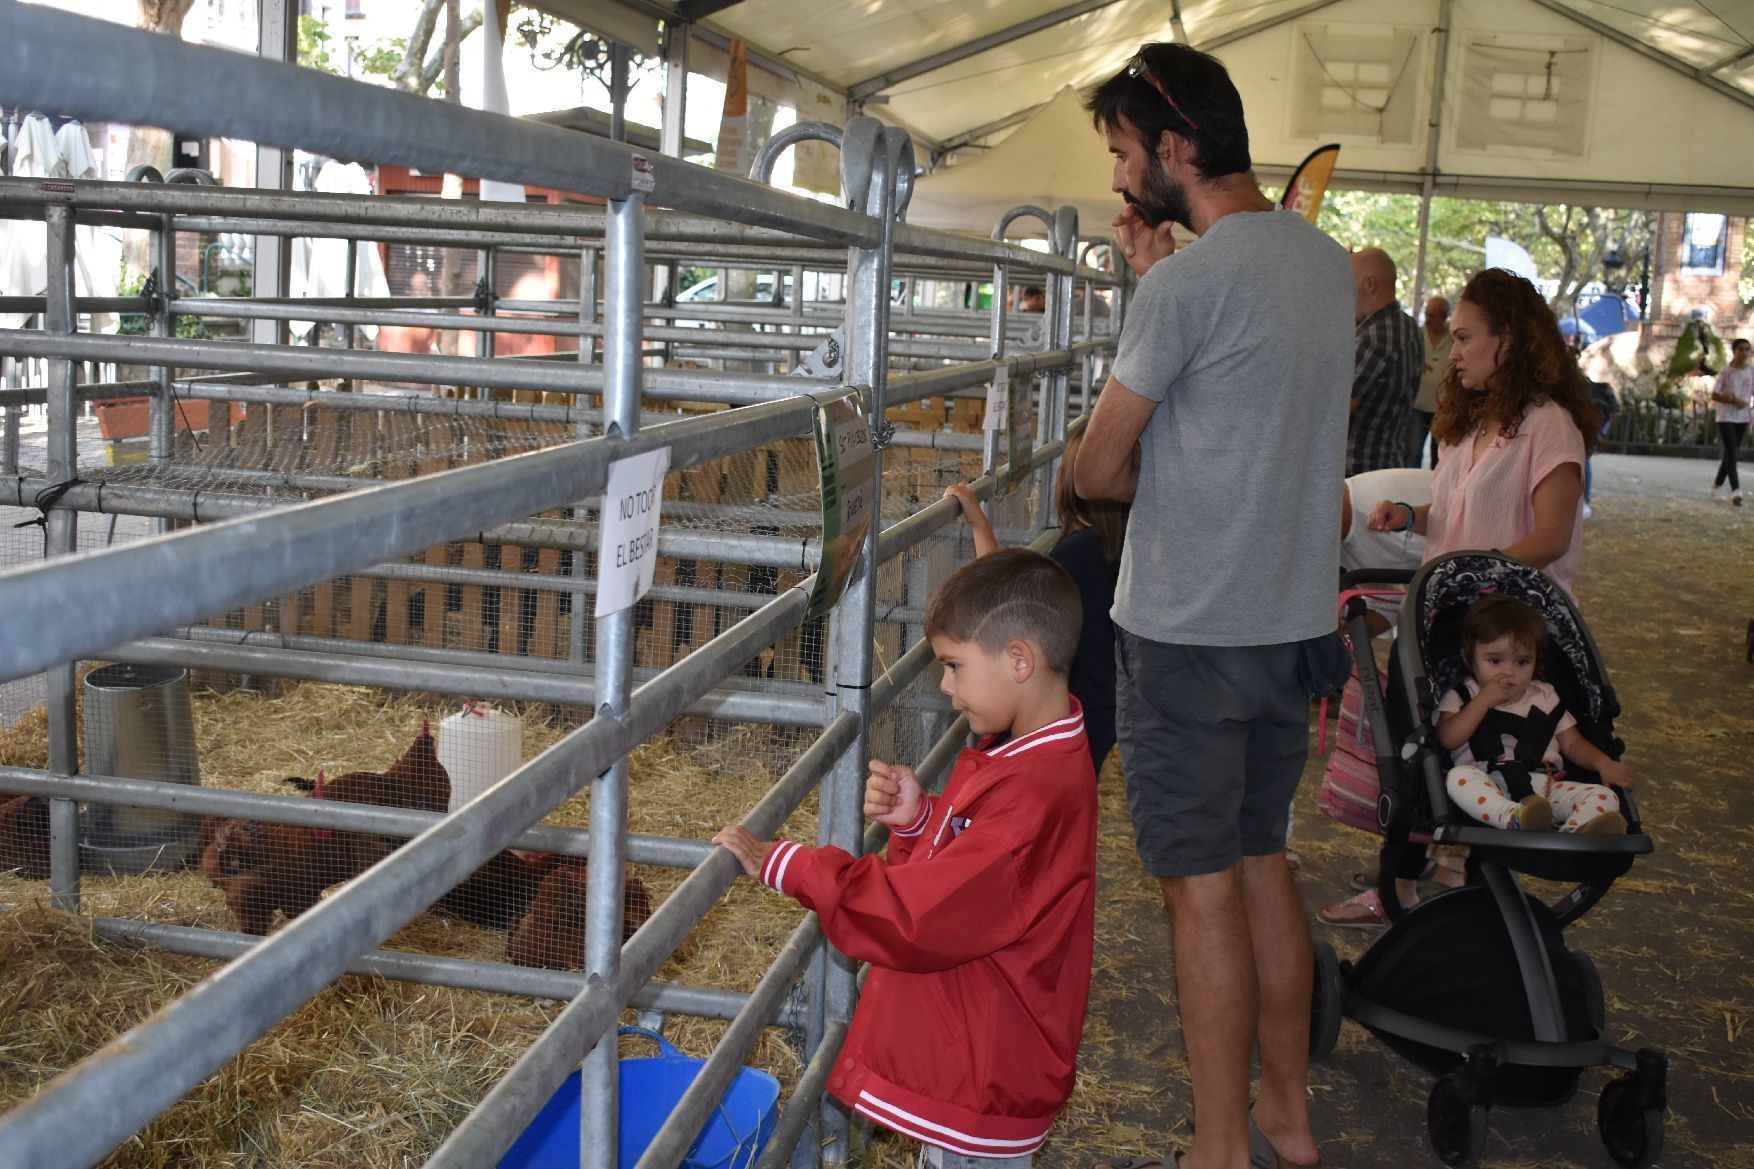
<point>355,9</point>
<point>1703,243</point>
<point>1526,94</point>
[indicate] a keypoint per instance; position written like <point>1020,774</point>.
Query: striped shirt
<point>1390,359</point>
<point>1490,503</point>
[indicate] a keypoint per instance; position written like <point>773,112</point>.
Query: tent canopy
<point>1645,103</point>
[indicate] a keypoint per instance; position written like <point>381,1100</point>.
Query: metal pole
<point>1428,177</point>
<point>162,433</point>
<point>675,86</point>
<point>598,1113</point>
<point>245,561</point>
<point>60,538</point>
<point>618,92</point>
<point>854,617</point>
<point>277,40</point>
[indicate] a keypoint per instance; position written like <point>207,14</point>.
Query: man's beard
<point>1163,199</point>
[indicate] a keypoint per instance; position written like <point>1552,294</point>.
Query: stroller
<point>1476,985</point>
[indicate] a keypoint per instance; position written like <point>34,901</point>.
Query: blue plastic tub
<point>650,1088</point>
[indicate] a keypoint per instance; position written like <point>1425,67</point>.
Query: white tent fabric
<point>1549,112</point>
<point>1635,103</point>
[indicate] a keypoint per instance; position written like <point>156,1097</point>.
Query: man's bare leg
<point>1218,1002</point>
<point>1284,965</point>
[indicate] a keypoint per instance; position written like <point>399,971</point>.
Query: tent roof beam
<point>993,40</point>
<point>1628,41</point>
<point>1009,120</point>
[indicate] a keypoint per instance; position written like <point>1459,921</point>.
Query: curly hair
<point>1537,366</point>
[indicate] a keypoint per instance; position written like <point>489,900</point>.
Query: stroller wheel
<point>1455,1119</point>
<point>1633,1135</point>
<point>1594,1001</point>
<point>1325,1006</point>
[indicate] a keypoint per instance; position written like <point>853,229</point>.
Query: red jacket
<point>979,929</point>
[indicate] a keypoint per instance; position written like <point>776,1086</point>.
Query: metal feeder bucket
<point>138,725</point>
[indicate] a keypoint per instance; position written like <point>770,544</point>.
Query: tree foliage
<point>1568,243</point>
<point>409,63</point>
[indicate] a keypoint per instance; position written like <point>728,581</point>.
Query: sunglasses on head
<point>1137,67</point>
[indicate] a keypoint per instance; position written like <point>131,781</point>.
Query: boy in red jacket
<point>979,925</point>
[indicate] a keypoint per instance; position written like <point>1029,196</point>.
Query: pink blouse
<point>1490,504</point>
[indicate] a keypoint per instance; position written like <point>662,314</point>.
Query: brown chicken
<point>266,867</point>
<point>417,781</point>
<point>552,932</point>
<point>498,893</point>
<point>24,836</point>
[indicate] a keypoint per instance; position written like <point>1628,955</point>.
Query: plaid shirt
<point>1390,360</point>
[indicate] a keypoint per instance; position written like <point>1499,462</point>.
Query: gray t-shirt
<point>1244,338</point>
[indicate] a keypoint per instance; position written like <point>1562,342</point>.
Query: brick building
<point>1696,265</point>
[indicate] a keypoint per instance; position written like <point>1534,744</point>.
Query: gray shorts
<point>1213,740</point>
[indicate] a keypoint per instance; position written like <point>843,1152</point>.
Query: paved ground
<point>1666,587</point>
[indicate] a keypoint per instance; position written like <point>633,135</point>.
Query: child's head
<point>1107,516</point>
<point>1502,636</point>
<point>1005,627</point>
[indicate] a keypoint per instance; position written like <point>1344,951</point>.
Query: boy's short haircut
<point>1493,617</point>
<point>1006,595</point>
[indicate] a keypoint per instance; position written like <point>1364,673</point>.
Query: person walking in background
<point>1226,573</point>
<point>1731,394</point>
<point>1390,359</point>
<point>1437,347</point>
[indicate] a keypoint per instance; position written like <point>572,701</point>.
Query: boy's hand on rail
<point>741,843</point>
<point>893,794</point>
<point>972,515</point>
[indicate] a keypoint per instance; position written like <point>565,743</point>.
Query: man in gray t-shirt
<point>1231,380</point>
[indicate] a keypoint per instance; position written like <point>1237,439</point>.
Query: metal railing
<point>251,548</point>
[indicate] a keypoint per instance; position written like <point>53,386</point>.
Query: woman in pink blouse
<point>1515,420</point>
<point>1514,424</point>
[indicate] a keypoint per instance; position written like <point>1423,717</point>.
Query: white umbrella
<point>24,262</point>
<point>319,266</point>
<point>97,258</point>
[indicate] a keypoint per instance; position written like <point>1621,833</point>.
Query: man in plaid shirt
<point>1390,360</point>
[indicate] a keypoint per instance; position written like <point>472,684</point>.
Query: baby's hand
<point>1498,690</point>
<point>1615,773</point>
<point>892,794</point>
<point>750,852</point>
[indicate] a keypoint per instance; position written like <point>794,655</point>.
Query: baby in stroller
<point>1509,734</point>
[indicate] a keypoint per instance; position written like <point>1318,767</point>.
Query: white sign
<point>627,549</point>
<point>998,400</point>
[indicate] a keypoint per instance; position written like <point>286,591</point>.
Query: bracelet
<point>1411,514</point>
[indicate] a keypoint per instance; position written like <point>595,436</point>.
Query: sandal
<point>1175,1159</point>
<point>1360,911</point>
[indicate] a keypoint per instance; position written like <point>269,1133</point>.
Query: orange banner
<point>1309,182</point>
